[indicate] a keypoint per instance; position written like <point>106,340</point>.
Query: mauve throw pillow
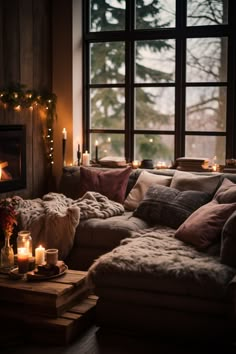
<point>144,181</point>
<point>111,183</point>
<point>192,181</point>
<point>226,193</point>
<point>228,242</point>
<point>204,226</point>
<point>168,206</point>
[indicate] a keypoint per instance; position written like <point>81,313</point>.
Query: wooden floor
<point>97,341</point>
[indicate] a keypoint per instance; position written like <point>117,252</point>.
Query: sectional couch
<point>168,263</point>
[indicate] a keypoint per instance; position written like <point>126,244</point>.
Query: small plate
<point>14,274</point>
<point>34,276</point>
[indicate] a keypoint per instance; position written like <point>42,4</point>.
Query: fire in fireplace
<point>12,157</point>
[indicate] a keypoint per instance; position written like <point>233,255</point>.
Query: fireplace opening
<point>12,157</point>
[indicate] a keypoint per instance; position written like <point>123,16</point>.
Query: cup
<point>51,256</point>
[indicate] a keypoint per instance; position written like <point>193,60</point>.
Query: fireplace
<point>12,157</point>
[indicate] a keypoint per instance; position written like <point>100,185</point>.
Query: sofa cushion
<point>226,193</point>
<point>156,261</point>
<point>145,180</point>
<point>111,183</point>
<point>107,234</point>
<point>169,206</point>
<point>192,181</point>
<point>228,242</point>
<point>204,226</point>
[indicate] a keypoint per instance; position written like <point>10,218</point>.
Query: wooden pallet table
<point>55,310</point>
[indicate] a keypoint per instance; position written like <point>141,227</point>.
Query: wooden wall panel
<point>25,57</point>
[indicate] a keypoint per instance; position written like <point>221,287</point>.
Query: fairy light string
<point>18,97</point>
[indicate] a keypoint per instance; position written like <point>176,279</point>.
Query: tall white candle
<point>86,158</point>
<point>64,133</point>
<point>39,255</point>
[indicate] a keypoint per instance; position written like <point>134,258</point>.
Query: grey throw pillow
<point>169,206</point>
<point>184,181</point>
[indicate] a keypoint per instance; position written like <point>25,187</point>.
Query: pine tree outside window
<point>159,79</point>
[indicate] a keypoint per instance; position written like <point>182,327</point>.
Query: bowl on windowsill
<point>147,163</point>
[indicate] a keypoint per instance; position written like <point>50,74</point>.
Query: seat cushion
<point>156,261</point>
<point>107,233</point>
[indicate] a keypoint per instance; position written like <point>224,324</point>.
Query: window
<point>159,79</point>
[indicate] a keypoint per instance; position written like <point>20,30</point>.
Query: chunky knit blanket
<point>53,218</point>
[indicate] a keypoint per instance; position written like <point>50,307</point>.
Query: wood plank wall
<point>26,57</point>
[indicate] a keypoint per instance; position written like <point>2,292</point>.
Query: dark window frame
<point>181,32</point>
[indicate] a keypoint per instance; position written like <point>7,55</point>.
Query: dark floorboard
<point>98,341</point>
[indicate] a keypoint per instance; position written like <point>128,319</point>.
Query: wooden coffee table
<point>63,304</point>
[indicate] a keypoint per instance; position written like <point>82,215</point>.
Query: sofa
<point>167,265</point>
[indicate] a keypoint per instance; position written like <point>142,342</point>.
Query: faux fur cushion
<point>228,242</point>
<point>226,192</point>
<point>144,181</point>
<point>111,183</point>
<point>192,181</point>
<point>168,206</point>
<point>204,226</point>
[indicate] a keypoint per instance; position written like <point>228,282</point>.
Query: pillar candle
<point>86,158</point>
<point>23,260</point>
<point>40,255</point>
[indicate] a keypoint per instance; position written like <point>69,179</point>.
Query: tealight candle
<point>135,164</point>
<point>23,260</point>
<point>39,255</point>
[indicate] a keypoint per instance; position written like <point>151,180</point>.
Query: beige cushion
<point>144,181</point>
<point>191,181</point>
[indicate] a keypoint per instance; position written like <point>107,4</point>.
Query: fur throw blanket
<point>53,219</point>
<point>153,255</point>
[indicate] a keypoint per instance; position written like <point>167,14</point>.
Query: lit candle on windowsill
<point>39,255</point>
<point>86,158</point>
<point>135,164</point>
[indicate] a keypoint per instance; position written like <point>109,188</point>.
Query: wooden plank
<point>61,330</point>
<point>50,298</point>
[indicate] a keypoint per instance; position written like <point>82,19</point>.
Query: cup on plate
<point>51,256</point>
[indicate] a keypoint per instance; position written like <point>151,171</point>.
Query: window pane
<point>155,61</point>
<point>155,108</point>
<point>108,145</point>
<point>206,13</point>
<point>207,147</point>
<point>107,15</point>
<point>155,147</point>
<point>107,109</point>
<point>206,109</point>
<point>107,62</point>
<point>155,13</point>
<point>206,59</point>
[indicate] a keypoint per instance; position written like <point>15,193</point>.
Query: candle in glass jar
<point>40,255</point>
<point>23,260</point>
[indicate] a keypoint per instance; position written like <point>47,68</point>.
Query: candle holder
<point>63,151</point>
<point>79,157</point>
<point>96,153</point>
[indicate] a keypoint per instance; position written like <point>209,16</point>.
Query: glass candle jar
<point>24,240</point>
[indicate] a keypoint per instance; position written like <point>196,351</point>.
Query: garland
<point>18,97</point>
